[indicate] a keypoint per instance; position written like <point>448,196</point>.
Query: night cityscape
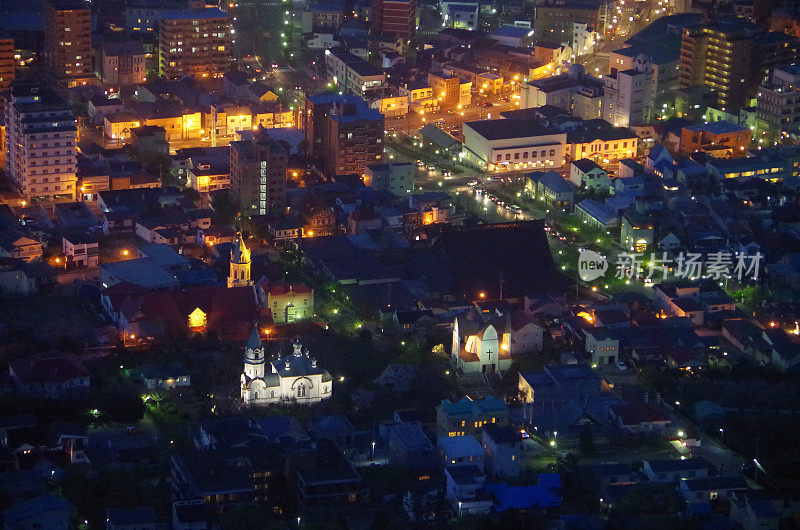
<point>388,264</point>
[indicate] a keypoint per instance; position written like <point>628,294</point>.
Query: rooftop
<point>504,129</point>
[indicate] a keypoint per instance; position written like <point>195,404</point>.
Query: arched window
<point>301,390</point>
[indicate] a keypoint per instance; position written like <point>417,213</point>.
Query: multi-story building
<point>503,144</point>
<point>628,96</point>
<point>719,138</point>
<point>561,91</point>
<point>68,42</point>
<point>662,63</point>
<point>354,137</point>
<point>446,89</point>
<point>602,142</point>
<point>731,58</point>
<point>40,143</point>
<point>258,174</point>
<point>315,121</point>
<point>7,70</point>
<point>354,75</point>
<point>194,42</point>
<point>394,17</point>
<point>778,101</point>
<point>142,16</point>
<point>555,19</point>
<point>121,63</point>
<point>397,179</point>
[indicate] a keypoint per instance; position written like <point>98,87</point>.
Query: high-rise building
<point>394,17</point>
<point>318,110</point>
<point>731,58</point>
<point>354,137</point>
<point>628,95</point>
<point>7,66</point>
<point>258,174</point>
<point>40,143</point>
<point>68,42</point>
<point>778,101</point>
<point>194,42</point>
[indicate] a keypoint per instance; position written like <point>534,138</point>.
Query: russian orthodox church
<point>294,377</point>
<point>239,275</point>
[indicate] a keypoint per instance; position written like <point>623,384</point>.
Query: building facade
<point>7,64</point>
<point>513,143</point>
<point>194,42</point>
<point>394,17</point>
<point>68,42</point>
<point>354,74</point>
<point>355,139</point>
<point>121,63</point>
<point>40,143</point>
<point>258,174</point>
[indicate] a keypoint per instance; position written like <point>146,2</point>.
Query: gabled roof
<point>54,369</point>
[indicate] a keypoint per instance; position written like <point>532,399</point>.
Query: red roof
<point>229,311</point>
<point>637,413</point>
<point>55,369</point>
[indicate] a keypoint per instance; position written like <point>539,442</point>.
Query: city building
<point>121,63</point>
<point>601,141</point>
<point>194,42</point>
<point>587,174</point>
<point>258,174</point>
<point>660,60</point>
<point>731,57</point>
<point>294,377</point>
<point>446,88</point>
<point>394,17</point>
<point>80,250</point>
<point>7,62</point>
<point>67,43</point>
<point>354,75</point>
<point>354,138</point>
<point>628,96</point>
<point>574,92</point>
<point>40,143</point>
<point>397,179</point>
<point>719,138</point>
<point>503,144</point>
<point>555,19</point>
<point>318,111</point>
<point>778,101</point>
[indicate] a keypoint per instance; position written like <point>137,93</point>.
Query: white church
<point>293,378</point>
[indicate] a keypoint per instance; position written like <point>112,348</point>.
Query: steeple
<point>240,265</point>
<point>254,361</point>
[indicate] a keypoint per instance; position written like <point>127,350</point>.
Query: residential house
<point>587,174</point>
<point>551,188</point>
<point>640,418</point>
<point>409,446</point>
<point>14,244</point>
<point>45,511</point>
<point>711,488</point>
<point>80,250</point>
<point>466,416</point>
<point>502,447</point>
<point>49,376</point>
<point>673,470</point>
<point>464,492</point>
<point>602,345</point>
<point>459,451</point>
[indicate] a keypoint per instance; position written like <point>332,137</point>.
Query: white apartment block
<point>354,74</point>
<point>778,102</point>
<point>627,97</point>
<point>40,143</point>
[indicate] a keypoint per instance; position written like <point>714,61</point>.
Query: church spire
<point>240,264</point>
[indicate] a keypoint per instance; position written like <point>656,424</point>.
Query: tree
<point>586,441</point>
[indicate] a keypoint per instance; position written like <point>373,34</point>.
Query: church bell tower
<point>240,265</point>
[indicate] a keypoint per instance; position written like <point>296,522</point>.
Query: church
<point>240,265</point>
<point>293,378</point>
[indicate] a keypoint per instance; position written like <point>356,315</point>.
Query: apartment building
<point>355,138</point>
<point>121,63</point>
<point>778,101</point>
<point>40,143</point>
<point>194,42</point>
<point>394,17</point>
<point>258,174</point>
<point>67,46</point>
<point>7,65</point>
<point>354,75</point>
<point>731,58</point>
<point>628,96</point>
